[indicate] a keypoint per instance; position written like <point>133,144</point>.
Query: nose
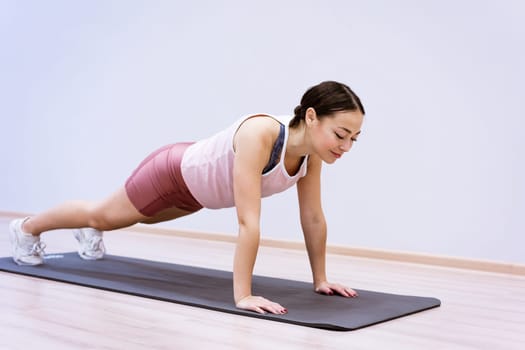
<point>346,145</point>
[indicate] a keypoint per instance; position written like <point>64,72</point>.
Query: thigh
<point>166,215</point>
<point>116,211</point>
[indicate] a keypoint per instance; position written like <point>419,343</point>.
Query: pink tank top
<point>207,168</point>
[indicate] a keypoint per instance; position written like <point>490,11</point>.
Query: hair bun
<point>297,111</point>
<point>327,98</point>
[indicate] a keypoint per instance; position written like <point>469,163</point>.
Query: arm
<point>314,228</point>
<point>253,143</point>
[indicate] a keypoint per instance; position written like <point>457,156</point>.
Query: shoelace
<point>94,243</point>
<point>38,248</point>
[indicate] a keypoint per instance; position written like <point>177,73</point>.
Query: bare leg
<point>166,215</point>
<point>115,212</point>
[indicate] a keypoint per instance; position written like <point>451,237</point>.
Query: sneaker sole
<point>13,237</point>
<point>79,235</point>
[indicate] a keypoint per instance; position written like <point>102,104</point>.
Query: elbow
<point>313,219</point>
<point>248,230</point>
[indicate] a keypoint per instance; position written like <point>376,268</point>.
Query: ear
<point>310,116</point>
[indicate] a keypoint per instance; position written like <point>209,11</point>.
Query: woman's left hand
<point>331,288</point>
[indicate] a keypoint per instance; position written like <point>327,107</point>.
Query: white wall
<point>88,88</point>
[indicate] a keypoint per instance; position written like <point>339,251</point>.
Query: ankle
<point>27,227</point>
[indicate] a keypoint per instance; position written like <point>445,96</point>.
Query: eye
<point>339,136</point>
<point>354,139</point>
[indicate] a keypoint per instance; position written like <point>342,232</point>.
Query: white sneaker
<point>27,249</point>
<point>91,245</point>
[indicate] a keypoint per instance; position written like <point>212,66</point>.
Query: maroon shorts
<point>157,183</point>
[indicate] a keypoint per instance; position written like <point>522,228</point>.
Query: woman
<point>257,156</point>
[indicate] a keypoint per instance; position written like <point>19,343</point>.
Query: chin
<point>329,160</point>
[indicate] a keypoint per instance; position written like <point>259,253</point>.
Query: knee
<point>100,221</point>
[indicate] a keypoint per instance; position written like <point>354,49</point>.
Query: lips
<point>336,155</point>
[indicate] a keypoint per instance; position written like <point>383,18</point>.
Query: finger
<point>257,309</point>
<point>342,291</point>
<point>280,309</point>
<point>352,292</point>
<point>272,310</point>
<point>349,292</point>
<point>275,308</point>
<point>328,291</point>
<point>324,290</point>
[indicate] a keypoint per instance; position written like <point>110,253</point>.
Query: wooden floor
<point>479,310</point>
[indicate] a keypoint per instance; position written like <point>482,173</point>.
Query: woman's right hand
<point>260,305</point>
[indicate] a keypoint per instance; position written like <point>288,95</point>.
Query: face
<point>332,136</point>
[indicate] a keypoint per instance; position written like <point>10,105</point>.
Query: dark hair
<point>327,98</point>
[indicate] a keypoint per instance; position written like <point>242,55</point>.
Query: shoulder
<point>260,122</point>
<point>261,128</point>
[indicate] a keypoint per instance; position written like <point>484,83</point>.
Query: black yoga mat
<point>212,289</point>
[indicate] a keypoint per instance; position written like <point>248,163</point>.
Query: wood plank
<point>481,310</point>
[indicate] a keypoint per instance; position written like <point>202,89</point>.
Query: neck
<point>297,144</point>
